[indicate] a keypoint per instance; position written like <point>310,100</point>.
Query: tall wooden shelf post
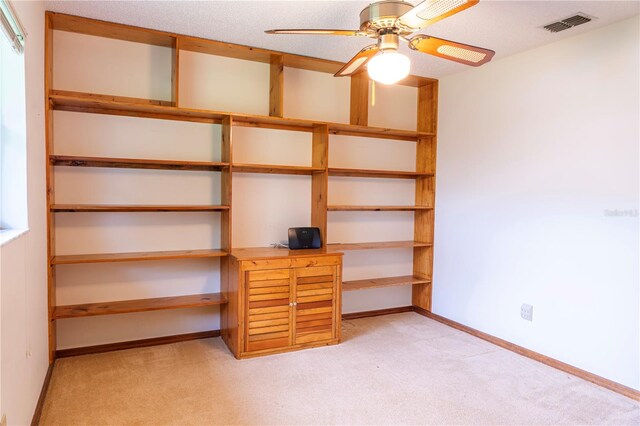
<point>225,181</point>
<point>175,72</point>
<point>320,180</point>
<point>425,193</point>
<point>276,86</point>
<point>51,235</point>
<point>359,108</point>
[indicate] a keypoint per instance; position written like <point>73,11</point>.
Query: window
<point>13,147</point>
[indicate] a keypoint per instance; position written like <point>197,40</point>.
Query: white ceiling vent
<point>568,22</point>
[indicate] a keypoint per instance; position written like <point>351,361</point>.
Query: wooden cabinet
<point>280,300</point>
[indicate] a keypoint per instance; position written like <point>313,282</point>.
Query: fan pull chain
<point>373,93</point>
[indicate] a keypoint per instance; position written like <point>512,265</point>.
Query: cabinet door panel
<point>270,274</point>
<point>318,279</point>
<point>256,330</point>
<point>307,325</point>
<point>269,313</point>
<point>270,296</point>
<point>313,308</point>
<point>313,317</point>
<point>270,316</point>
<point>313,337</point>
<point>271,322</point>
<point>314,292</point>
<point>269,283</point>
<point>318,286</point>
<point>315,295</point>
<point>269,344</point>
<point>322,297</point>
<point>267,290</point>
<point>268,303</point>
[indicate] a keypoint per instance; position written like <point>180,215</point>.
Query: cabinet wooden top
<point>271,252</point>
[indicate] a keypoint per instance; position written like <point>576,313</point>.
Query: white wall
<point>225,84</point>
<point>533,150</point>
<point>23,289</point>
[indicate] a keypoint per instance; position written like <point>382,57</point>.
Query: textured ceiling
<point>507,27</point>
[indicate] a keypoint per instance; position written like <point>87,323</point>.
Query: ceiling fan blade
<point>319,32</point>
<point>357,62</point>
<point>431,11</point>
<point>458,52</point>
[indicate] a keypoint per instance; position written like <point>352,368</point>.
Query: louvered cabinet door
<point>315,304</point>
<point>269,309</point>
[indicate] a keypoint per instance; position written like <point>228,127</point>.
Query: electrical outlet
<point>526,312</point>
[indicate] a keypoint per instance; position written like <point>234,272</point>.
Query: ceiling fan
<point>391,21</point>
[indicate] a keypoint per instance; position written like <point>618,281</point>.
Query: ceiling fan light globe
<point>388,67</point>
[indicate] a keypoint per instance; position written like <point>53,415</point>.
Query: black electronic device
<point>304,238</point>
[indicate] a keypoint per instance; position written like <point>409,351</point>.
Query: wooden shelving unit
<point>424,138</point>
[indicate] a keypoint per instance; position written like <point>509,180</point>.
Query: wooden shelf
<point>135,256</point>
<point>376,245</point>
<point>389,174</point>
<point>375,132</point>
<point>377,208</point>
<point>139,305</point>
<point>114,105</point>
<point>132,208</point>
<point>275,169</point>
<point>132,163</point>
<point>383,282</point>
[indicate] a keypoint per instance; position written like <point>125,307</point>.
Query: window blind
<point>11,27</point>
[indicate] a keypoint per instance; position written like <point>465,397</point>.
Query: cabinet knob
<point>295,303</point>
<point>290,303</point>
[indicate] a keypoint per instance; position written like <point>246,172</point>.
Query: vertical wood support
<point>320,180</point>
<point>51,272</point>
<point>175,72</point>
<point>276,86</point>
<point>425,193</point>
<point>228,323</point>
<point>428,107</point>
<point>226,157</point>
<point>359,110</point>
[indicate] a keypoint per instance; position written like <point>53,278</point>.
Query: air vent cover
<point>568,22</point>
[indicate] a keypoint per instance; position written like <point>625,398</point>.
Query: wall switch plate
<point>526,312</point>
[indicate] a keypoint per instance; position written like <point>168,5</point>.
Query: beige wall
<point>23,289</point>
<point>264,205</point>
<point>533,150</point>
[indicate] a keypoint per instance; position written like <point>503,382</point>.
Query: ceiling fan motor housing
<point>388,42</point>
<point>383,15</point>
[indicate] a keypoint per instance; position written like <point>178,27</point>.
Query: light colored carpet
<point>396,369</point>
